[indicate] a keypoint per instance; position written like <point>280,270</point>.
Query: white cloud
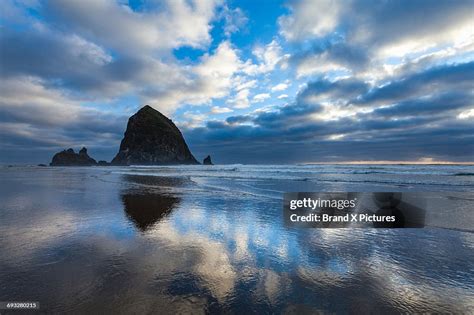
<point>260,97</point>
<point>88,50</point>
<point>193,120</point>
<point>280,87</point>
<point>221,65</point>
<point>317,64</point>
<point>129,52</point>
<point>310,18</point>
<point>212,78</point>
<point>234,20</point>
<point>39,115</point>
<point>172,24</point>
<point>27,99</point>
<point>467,114</point>
<point>357,31</point>
<point>282,96</point>
<point>220,110</point>
<point>268,57</point>
<point>461,32</point>
<point>336,137</point>
<point>241,83</point>
<point>240,100</point>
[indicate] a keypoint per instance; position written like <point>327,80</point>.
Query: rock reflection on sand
<point>145,207</point>
<point>144,210</point>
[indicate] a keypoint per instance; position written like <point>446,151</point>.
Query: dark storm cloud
<point>350,56</point>
<point>285,115</point>
<point>438,88</point>
<point>344,88</point>
<point>251,144</point>
<point>427,106</point>
<point>264,125</point>
<point>91,126</point>
<point>45,54</point>
<point>389,21</point>
<point>38,145</point>
<point>80,121</point>
<point>404,147</point>
<point>36,122</point>
<point>66,61</point>
<point>238,119</point>
<point>298,126</point>
<point>457,76</point>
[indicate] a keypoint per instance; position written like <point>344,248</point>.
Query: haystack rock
<point>207,161</point>
<point>152,139</point>
<point>70,158</point>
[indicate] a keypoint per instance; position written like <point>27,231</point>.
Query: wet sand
<point>117,240</point>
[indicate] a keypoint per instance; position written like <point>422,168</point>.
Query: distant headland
<point>150,139</point>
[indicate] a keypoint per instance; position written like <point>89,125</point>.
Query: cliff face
<point>70,158</point>
<point>151,138</point>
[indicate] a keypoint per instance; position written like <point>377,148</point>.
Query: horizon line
<point>396,162</point>
<point>380,162</point>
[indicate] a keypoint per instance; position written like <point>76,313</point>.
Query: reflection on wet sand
<point>180,249</point>
<point>156,181</point>
<point>146,207</point>
<point>144,210</point>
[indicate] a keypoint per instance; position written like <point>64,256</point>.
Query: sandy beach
<point>200,239</point>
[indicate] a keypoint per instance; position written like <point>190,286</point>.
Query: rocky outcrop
<point>151,138</point>
<point>207,161</point>
<point>103,163</point>
<point>70,158</point>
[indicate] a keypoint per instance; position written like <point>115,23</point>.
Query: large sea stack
<point>152,139</point>
<point>70,158</point>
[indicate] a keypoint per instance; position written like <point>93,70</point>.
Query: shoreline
<point>241,164</point>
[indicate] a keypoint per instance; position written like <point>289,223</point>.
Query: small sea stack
<point>70,158</point>
<point>207,161</point>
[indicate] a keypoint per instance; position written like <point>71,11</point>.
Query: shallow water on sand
<point>212,239</point>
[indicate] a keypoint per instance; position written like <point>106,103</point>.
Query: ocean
<point>211,239</point>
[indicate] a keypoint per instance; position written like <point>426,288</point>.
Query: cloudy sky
<point>246,81</point>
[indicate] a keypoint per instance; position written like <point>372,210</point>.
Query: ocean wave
<point>305,171</point>
<point>372,172</point>
<point>265,176</point>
